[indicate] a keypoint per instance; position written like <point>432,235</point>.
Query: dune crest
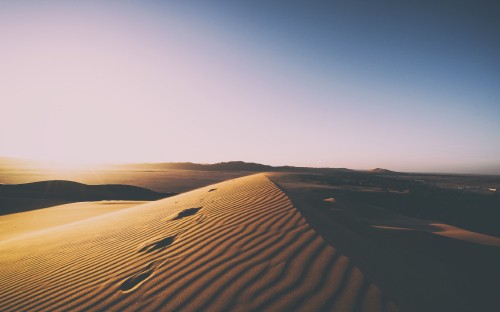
<point>239,245</point>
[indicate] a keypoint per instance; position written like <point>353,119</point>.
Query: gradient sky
<point>357,84</point>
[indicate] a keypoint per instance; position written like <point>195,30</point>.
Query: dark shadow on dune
<point>434,197</point>
<point>137,279</point>
<point>29,196</point>
<point>420,271</point>
<point>74,191</point>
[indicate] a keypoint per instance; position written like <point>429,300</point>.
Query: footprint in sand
<point>211,190</point>
<point>185,213</point>
<point>159,244</point>
<point>133,282</point>
<point>167,241</point>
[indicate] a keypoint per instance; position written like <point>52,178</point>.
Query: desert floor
<point>264,242</point>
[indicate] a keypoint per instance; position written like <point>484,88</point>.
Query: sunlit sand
<point>238,245</point>
<point>18,224</point>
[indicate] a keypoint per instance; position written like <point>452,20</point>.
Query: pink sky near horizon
<point>112,84</point>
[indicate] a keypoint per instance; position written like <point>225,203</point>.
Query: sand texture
<point>240,245</point>
<point>22,223</point>
<point>422,265</point>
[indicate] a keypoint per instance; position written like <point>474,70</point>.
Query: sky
<point>405,85</point>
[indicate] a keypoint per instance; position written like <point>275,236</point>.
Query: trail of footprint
<point>133,282</point>
<point>167,241</point>
<point>159,244</point>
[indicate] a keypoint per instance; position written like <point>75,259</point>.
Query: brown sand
<point>422,266</point>
<point>239,245</point>
<point>17,224</point>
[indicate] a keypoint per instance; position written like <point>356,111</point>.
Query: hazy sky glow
<point>351,84</point>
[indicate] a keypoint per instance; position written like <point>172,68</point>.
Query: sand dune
<point>75,191</point>
<point>15,198</point>
<point>440,229</point>
<point>422,265</point>
<point>239,245</point>
<point>17,224</point>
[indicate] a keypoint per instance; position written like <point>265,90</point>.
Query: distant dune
<point>75,191</point>
<point>23,197</point>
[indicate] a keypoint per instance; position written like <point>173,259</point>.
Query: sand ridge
<point>237,245</point>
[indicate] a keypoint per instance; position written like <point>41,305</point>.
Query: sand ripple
<point>239,245</point>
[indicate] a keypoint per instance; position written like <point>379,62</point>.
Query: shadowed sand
<point>439,229</point>
<point>423,265</point>
<point>239,245</point>
<point>30,196</point>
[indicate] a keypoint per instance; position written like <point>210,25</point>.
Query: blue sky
<point>408,86</point>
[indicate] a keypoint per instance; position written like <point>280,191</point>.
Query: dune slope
<point>238,245</point>
<point>421,264</point>
<point>21,223</point>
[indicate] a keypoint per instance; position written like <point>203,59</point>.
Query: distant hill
<point>7,163</point>
<point>221,166</point>
<point>74,191</point>
<point>381,170</point>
